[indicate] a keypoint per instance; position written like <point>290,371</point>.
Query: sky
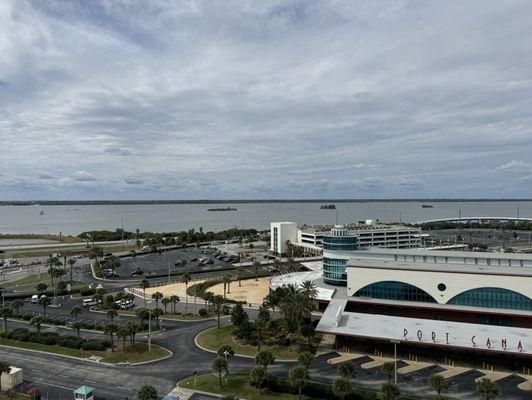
<point>265,99</point>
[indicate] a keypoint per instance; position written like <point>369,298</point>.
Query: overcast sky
<point>265,99</point>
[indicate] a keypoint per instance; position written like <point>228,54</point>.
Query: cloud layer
<point>282,99</point>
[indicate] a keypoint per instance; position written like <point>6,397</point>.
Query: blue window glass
<point>334,271</point>
<point>391,290</point>
<point>340,243</point>
<point>493,298</point>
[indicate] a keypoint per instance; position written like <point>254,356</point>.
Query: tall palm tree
<point>298,377</point>
<point>77,327</point>
<point>227,283</point>
<point>110,329</point>
<point>264,358</point>
<point>45,301</point>
<point>309,289</point>
<point>157,296</point>
<point>185,278</point>
<point>256,266</point>
<point>144,284</point>
<point>218,302</point>
<point>122,332</point>
<point>37,321</point>
<point>342,387</point>
<point>5,313</point>
<point>74,312</point>
<point>239,271</point>
<point>111,314</point>
<point>71,262</point>
<point>260,328</point>
<point>438,384</point>
<point>165,301</point>
<point>41,287</point>
<point>390,391</point>
<point>175,299</point>
<point>16,305</point>
<point>4,368</point>
<point>487,389</point>
<point>220,365</point>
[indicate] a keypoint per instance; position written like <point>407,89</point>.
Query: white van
<point>35,298</point>
<point>89,302</point>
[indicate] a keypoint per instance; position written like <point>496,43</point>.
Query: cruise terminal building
<point>444,305</point>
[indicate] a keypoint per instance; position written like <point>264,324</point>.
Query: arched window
<point>492,298</point>
<point>391,290</point>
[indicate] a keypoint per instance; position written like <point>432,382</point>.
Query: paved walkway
<point>377,362</point>
<point>345,357</point>
<point>413,366</point>
<point>451,372</point>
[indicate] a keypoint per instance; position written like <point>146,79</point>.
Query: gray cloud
<point>265,99</point>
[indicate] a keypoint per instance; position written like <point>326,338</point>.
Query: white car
<point>89,302</point>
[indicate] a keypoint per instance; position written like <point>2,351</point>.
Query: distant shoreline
<point>243,201</point>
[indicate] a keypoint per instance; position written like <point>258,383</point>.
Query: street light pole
<point>395,341</point>
<point>149,330</point>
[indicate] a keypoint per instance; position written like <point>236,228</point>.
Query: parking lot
<point>160,263</point>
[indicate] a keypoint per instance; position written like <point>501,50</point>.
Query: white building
<point>280,233</point>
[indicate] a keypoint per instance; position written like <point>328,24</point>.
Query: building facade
<point>470,311</point>
<point>280,232</point>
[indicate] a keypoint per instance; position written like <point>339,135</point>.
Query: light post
<point>149,332</point>
<point>395,341</point>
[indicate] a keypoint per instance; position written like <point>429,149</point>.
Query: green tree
<point>4,368</point>
<point>218,302</point>
<point>309,290</point>
<point>298,377</point>
<point>256,267</point>
<point>37,322</point>
<point>390,391</point>
<point>342,387</point>
<point>226,352</point>
<point>111,314</point>
<point>16,305</point>
<point>388,368</point>
<point>165,301</point>
<point>264,358</point>
<point>260,328</point>
<point>227,284</point>
<point>74,312</point>
<point>239,273</point>
<point>77,327</point>
<point>45,301</point>
<point>147,392</point>
<point>487,389</point>
<point>5,313</point>
<point>305,358</point>
<point>71,262</point>
<point>229,397</point>
<point>257,376</point>
<point>238,315</point>
<point>157,296</point>
<point>175,300</point>
<point>185,278</point>
<point>144,284</point>
<point>219,365</point>
<point>122,333</point>
<point>41,287</point>
<point>438,384</point>
<point>346,370</point>
<point>157,312</point>
<point>110,329</point>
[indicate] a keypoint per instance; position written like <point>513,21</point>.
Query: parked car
<point>35,298</point>
<point>138,272</point>
<point>89,302</point>
<point>145,248</point>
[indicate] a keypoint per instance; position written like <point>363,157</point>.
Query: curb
<point>163,318</point>
<point>281,360</point>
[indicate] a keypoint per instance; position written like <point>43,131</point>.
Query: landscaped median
<point>212,339</point>
<point>133,354</point>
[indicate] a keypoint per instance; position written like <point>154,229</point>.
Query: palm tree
<point>45,301</point>
<point>122,332</point>
<point>264,358</point>
<point>157,312</point>
<point>342,387</point>
<point>157,296</point>
<point>165,301</point>
<point>185,278</point>
<point>390,391</point>
<point>175,299</point>
<point>346,370</point>
<point>239,271</point>
<point>218,302</point>
<point>298,377</point>
<point>256,266</point>
<point>308,289</point>
<point>37,321</point>
<point>147,392</point>
<point>41,287</point>
<point>219,365</point>
<point>144,284</point>
<point>305,358</point>
<point>260,327</point>
<point>52,262</point>
<point>111,314</point>
<point>487,389</point>
<point>388,368</point>
<point>227,283</point>
<point>16,304</point>
<point>74,312</point>
<point>438,384</point>
<point>77,327</point>
<point>257,376</point>
<point>71,262</point>
<point>5,313</point>
<point>111,329</point>
<point>4,368</point>
<point>226,352</point>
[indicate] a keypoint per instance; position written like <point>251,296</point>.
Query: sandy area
<point>169,290</point>
<point>251,291</point>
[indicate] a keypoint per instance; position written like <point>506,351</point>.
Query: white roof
<point>424,331</point>
<point>297,278</point>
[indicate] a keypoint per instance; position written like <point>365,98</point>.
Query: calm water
<point>73,219</point>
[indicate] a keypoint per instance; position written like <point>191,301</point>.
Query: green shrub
<point>202,312</point>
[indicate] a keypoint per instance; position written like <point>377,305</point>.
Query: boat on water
<point>41,213</point>
<point>328,207</point>
<point>222,209</point>
<point>427,206</point>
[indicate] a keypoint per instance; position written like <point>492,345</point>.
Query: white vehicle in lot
<point>35,299</point>
<point>145,248</point>
<point>89,302</point>
<point>125,304</point>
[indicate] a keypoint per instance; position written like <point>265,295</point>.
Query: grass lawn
<point>214,338</point>
<point>13,396</point>
<point>31,279</point>
<point>136,354</point>
<point>237,384</point>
